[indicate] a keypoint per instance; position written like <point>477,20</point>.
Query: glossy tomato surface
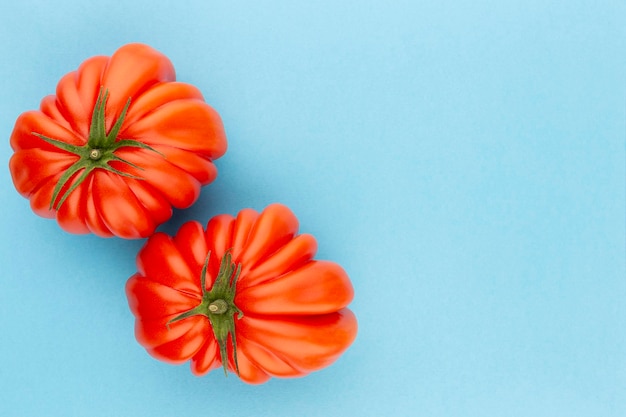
<point>119,144</point>
<point>289,317</point>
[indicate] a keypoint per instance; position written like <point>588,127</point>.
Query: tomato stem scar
<point>95,154</point>
<point>218,306</point>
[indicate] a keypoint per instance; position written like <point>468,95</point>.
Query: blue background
<point>463,160</point>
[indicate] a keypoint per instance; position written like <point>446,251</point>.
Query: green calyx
<point>218,305</point>
<point>97,153</point>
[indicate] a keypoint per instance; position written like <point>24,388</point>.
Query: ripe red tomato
<point>119,144</point>
<point>245,294</point>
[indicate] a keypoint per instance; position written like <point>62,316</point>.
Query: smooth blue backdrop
<point>463,160</point>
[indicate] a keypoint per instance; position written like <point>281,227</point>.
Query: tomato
<point>244,294</point>
<point>117,147</point>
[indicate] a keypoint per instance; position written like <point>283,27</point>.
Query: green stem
<point>218,306</point>
<point>98,153</point>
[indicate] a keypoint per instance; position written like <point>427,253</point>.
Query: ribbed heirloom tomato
<point>119,144</point>
<point>245,294</point>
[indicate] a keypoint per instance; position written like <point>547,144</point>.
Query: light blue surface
<point>463,160</point>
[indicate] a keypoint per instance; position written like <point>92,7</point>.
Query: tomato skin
<point>181,136</point>
<point>295,316</point>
